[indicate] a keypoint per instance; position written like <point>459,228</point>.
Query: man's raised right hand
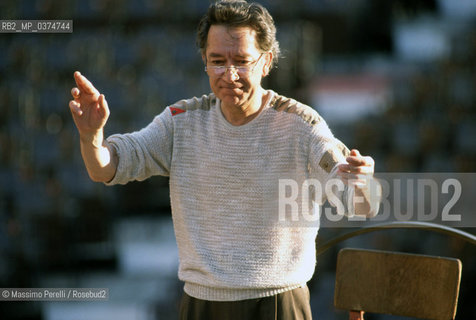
<point>90,113</point>
<point>88,107</point>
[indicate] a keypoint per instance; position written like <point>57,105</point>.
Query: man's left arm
<point>358,172</point>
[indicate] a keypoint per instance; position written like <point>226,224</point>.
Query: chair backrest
<point>394,283</point>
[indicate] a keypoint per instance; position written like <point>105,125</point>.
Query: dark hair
<point>239,13</point>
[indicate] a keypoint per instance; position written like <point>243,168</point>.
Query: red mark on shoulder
<point>176,111</point>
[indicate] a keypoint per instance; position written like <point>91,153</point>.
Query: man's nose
<point>231,74</point>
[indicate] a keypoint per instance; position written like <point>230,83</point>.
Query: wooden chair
<point>410,285</point>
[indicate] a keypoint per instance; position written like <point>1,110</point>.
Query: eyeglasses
<point>243,70</point>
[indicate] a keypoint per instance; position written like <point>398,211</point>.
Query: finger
<point>84,84</point>
<point>360,161</point>
<point>344,167</point>
<point>75,108</point>
<point>355,179</point>
<point>347,168</point>
<point>103,105</point>
<point>355,158</point>
<point>75,93</point>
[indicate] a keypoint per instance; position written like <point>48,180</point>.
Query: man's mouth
<point>232,87</point>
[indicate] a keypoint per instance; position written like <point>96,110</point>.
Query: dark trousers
<point>290,305</point>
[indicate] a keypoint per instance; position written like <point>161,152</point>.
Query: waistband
<point>229,294</point>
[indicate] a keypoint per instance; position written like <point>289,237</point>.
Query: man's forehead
<point>222,36</point>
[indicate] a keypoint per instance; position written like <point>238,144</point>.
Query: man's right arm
<point>100,158</point>
<point>90,113</point>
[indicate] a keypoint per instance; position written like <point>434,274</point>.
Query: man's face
<point>234,47</point>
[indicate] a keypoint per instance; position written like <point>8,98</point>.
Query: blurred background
<point>394,78</point>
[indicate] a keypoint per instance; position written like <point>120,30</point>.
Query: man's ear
<point>268,63</point>
<point>204,58</point>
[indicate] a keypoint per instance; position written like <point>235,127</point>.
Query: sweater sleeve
<point>325,154</point>
<point>144,153</point>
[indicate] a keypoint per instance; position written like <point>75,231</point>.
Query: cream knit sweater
<point>224,189</point>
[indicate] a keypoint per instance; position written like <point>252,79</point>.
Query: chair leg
<point>356,315</point>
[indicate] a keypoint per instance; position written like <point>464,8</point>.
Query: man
<point>225,154</point>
